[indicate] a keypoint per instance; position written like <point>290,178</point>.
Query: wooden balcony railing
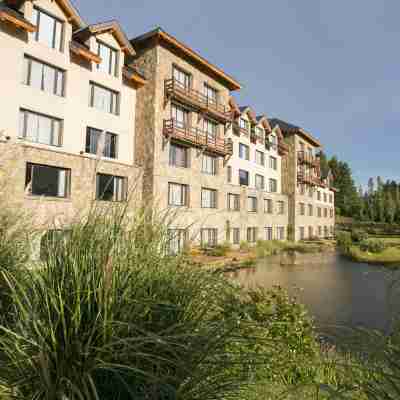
<point>198,100</point>
<point>305,158</point>
<point>306,178</point>
<point>197,137</point>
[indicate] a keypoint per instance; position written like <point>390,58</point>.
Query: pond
<point>338,293</point>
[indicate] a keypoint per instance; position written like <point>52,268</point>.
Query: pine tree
<point>390,208</point>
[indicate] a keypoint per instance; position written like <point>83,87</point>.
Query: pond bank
<point>246,256</point>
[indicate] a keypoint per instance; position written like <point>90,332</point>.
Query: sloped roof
<point>11,14</point>
<point>109,26</point>
<point>161,35</point>
<point>291,129</point>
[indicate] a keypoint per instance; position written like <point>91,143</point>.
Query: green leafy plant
<point>358,235</point>
<point>373,245</point>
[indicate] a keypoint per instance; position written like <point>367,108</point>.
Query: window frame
<point>247,175</point>
<point>214,164</point>
<point>246,153</point>
<point>173,162</point>
<point>56,20</point>
<point>29,176</point>
<point>124,190</point>
<point>213,236</point>
<point>252,204</point>
<point>23,128</point>
<point>236,201</point>
<point>213,198</point>
<point>184,194</point>
<point>89,130</point>
<point>187,85</point>
<point>115,103</point>
<point>111,50</point>
<point>262,154</point>
<point>273,184</point>
<point>257,186</point>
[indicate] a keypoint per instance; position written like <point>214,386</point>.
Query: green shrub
<point>373,245</point>
<point>244,246</point>
<point>220,250</point>
<point>344,241</point>
<point>358,235</point>
<point>110,316</point>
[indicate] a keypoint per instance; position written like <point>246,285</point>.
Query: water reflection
<point>336,291</point>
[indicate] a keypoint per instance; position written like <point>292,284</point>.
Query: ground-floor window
<point>320,231</point>
<point>177,239</point>
<point>302,235</point>
<point>252,234</point>
<point>236,235</point>
<point>332,231</point>
<point>310,232</point>
<point>48,181</point>
<point>111,188</point>
<point>281,232</point>
<point>269,233</point>
<point>209,237</point>
<point>326,233</point>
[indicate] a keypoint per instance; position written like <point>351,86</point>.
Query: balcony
<point>196,137</point>
<point>197,100</point>
<point>306,179</point>
<point>305,158</point>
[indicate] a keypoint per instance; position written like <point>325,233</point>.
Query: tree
<point>390,208</point>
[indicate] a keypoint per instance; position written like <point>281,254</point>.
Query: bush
<point>244,246</point>
<point>358,235</point>
<point>344,241</point>
<point>373,245</point>
<point>220,250</point>
<point>109,315</point>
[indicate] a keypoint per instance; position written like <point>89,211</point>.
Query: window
<point>319,195</point>
<point>178,194</point>
<point>269,233</point>
<point>177,240</point>
<point>330,198</point>
<point>310,232</point>
<point>331,212</point>
<point>332,230</point>
<point>281,207</point>
<point>209,164</point>
<point>320,231</point>
<point>325,197</point>
<point>181,77</point>
<point>280,232</point>
<point>260,158</point>
<point>243,177</point>
<point>319,212</point>
<point>210,128</point>
<point>302,209</point>
<point>208,198</point>
<point>109,59</point>
<point>229,174</point>
<point>111,188</point>
<point>273,140</point>
<point>39,128</point>
<point>180,116</point>
<point>310,191</point>
<point>53,240</point>
<point>209,237</point>
<point>268,206</point>
<point>260,133</point>
<point>260,182</point>
<point>104,99</point>
<point>273,185</point>
<point>244,151</point>
<point>244,124</point>
<point>178,156</point>
<point>310,210</point>
<point>97,140</point>
<point>48,181</point>
<point>302,189</point>
<point>233,202</point>
<point>325,212</point>
<point>326,232</point>
<point>236,235</point>
<point>252,235</point>
<point>43,77</point>
<point>273,163</point>
<point>49,29</point>
<point>210,93</point>
<point>252,204</point>
<point>302,234</point>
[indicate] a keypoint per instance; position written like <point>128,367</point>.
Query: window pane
<point>32,127</point>
<point>58,36</point>
<point>46,29</point>
<point>49,78</point>
<point>36,75</point>
<point>48,181</point>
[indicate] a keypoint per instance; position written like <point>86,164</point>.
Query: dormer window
<point>49,29</point>
<point>260,133</point>
<point>274,141</point>
<point>244,124</point>
<point>109,59</point>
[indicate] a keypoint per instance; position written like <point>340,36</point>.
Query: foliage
<point>358,235</point>
<point>14,252</point>
<point>110,315</point>
<point>373,245</point>
<point>220,250</point>
<point>244,246</point>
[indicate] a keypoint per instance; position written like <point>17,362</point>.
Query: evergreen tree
<point>390,208</point>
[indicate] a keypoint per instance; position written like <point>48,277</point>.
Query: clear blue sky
<point>333,67</point>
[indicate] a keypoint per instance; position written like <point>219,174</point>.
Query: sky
<point>331,67</point>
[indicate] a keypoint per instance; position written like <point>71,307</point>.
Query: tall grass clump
<point>109,315</point>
